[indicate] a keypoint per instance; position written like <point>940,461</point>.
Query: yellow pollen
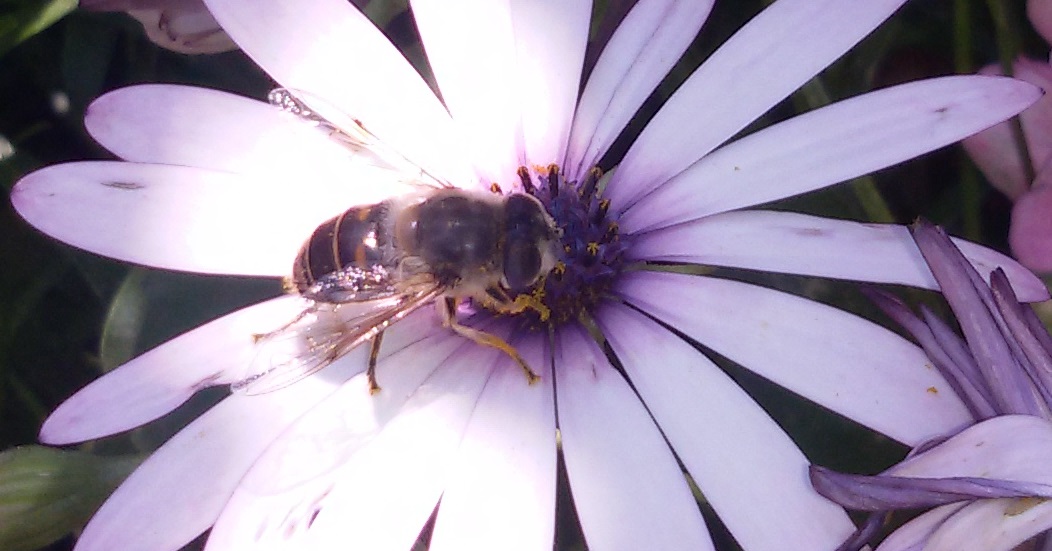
<point>524,301</point>
<point>593,248</point>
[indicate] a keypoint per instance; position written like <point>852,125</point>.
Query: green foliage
<point>46,493</point>
<point>21,19</point>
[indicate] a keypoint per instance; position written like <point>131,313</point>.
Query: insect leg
<point>374,351</point>
<point>449,319</point>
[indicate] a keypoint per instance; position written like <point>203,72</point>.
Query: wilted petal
<point>183,218</point>
<point>765,61</point>
<point>794,243</point>
<point>470,46</point>
<point>318,49</point>
<point>995,150</point>
<point>748,468</point>
<point>946,350</point>
<point>1031,232</point>
<point>820,352</point>
<point>279,497</point>
<point>971,299</point>
<point>198,127</point>
<point>832,144</point>
<point>548,72</point>
<point>628,490</point>
<point>885,492</point>
<point>1031,350</point>
<point>642,50</point>
<point>501,492</point>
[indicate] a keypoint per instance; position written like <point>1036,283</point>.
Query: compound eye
<point>522,264</point>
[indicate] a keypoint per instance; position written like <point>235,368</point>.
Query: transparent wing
<point>320,336</point>
<point>351,133</point>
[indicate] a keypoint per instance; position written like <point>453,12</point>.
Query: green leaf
<point>21,20</point>
<point>46,493</point>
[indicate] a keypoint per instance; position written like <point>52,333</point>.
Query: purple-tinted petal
<point>178,492</point>
<point>155,383</point>
<point>820,352</point>
<point>387,490</point>
<point>992,525</point>
<point>832,144</point>
<point>550,39</point>
<point>320,51</point>
<point>628,490</point>
<point>470,46</point>
<point>765,61</point>
<point>1031,351</point>
<point>182,125</point>
<point>995,150</point>
<point>1040,14</point>
<point>646,45</point>
<point>285,488</point>
<point>183,218</point>
<point>883,492</point>
<point>809,245</point>
<point>946,350</point>
<point>1031,232</point>
<point>972,302</point>
<point>501,492</point>
<point>746,466</point>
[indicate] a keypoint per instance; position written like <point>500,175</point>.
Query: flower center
<point>590,248</point>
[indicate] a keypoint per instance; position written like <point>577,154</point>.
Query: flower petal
<point>501,493</point>
<point>642,50</point>
<point>280,495</point>
<point>470,46</point>
<point>817,351</point>
<point>1013,390</point>
<point>178,492</point>
<point>1031,232</point>
<point>748,468</point>
<point>992,525</point>
<point>794,243</point>
<point>187,126</point>
<point>832,144</point>
<point>765,61</point>
<point>158,381</point>
<point>386,492</point>
<point>319,51</point>
<point>548,72</point>
<point>628,490</point>
<point>914,534</point>
<point>183,218</point>
<point>995,151</point>
<point>1009,447</point>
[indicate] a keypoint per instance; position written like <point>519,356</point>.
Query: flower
<point>183,26</point>
<point>989,483</point>
<point>216,183</point>
<point>995,152</point>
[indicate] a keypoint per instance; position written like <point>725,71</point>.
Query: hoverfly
<point>436,243</point>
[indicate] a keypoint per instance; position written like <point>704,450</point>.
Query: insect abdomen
<point>347,258</point>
